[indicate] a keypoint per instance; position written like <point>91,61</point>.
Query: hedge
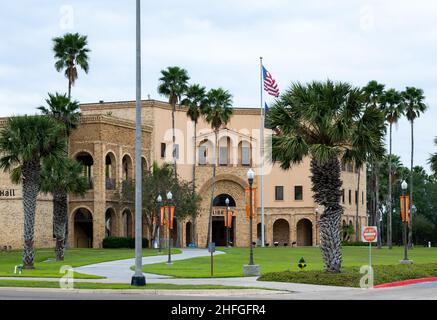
<point>122,242</point>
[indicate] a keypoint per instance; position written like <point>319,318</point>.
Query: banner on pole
<point>405,205</point>
<point>247,190</point>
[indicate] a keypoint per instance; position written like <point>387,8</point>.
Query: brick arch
<point>281,231</point>
<point>224,177</point>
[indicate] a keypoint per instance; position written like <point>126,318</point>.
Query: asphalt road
<point>423,291</point>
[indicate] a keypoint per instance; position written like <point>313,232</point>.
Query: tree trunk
<point>410,225</point>
<point>357,224</point>
<point>389,206</point>
<point>376,215</point>
<point>31,182</point>
<point>326,185</point>
<point>174,138</point>
<point>69,88</point>
<point>212,190</point>
<point>60,217</point>
<point>194,235</point>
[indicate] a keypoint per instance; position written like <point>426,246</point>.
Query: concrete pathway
<point>119,271</point>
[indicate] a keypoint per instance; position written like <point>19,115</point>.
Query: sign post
<point>211,249</point>
<point>370,234</point>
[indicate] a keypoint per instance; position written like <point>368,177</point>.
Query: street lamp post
<point>404,186</point>
<point>227,222</point>
<point>169,200</point>
<point>159,201</point>
<point>251,269</point>
<point>250,176</point>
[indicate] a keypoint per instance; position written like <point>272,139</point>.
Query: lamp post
<point>159,201</point>
<point>317,223</point>
<point>138,279</point>
<point>227,222</point>
<point>169,200</point>
<point>250,177</point>
<point>404,186</point>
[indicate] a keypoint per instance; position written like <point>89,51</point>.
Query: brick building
<point>104,144</point>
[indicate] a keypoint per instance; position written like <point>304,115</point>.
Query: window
<point>176,151</point>
<point>223,156</point>
<point>362,197</point>
<point>245,155</point>
<point>356,196</point>
<point>163,146</point>
<point>202,155</point>
<point>342,195</point>
<point>279,193</point>
<point>350,167</point>
<point>350,196</point>
<point>298,193</point>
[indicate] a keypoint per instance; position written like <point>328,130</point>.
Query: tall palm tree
<point>324,121</point>
<point>393,109</point>
<point>173,85</point>
<point>67,113</point>
<point>217,113</point>
<point>26,142</point>
<point>71,52</point>
<point>414,106</point>
<point>195,100</point>
<point>60,178</point>
<point>433,160</point>
<point>373,92</point>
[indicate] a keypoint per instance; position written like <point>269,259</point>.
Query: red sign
<point>370,234</point>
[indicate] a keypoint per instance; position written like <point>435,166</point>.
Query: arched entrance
<point>304,233</point>
<point>83,228</point>
<point>219,232</point>
<point>258,234</point>
<point>127,224</point>
<point>188,233</point>
<point>281,232</point>
<point>110,223</point>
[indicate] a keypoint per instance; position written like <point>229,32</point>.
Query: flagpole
<point>262,153</point>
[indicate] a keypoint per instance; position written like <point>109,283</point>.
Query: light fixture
<point>250,175</point>
<point>227,202</point>
<point>169,195</point>
<point>159,199</point>
<point>404,185</point>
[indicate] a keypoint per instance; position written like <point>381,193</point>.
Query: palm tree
<point>414,106</point>
<point>67,113</point>
<point>195,100</point>
<point>374,92</point>
<point>393,108</point>
<point>217,113</point>
<point>71,51</point>
<point>173,85</point>
<point>433,160</point>
<point>325,121</point>
<point>25,142</point>
<point>60,178</point>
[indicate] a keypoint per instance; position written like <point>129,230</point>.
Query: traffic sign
<point>370,234</point>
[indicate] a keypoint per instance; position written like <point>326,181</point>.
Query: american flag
<point>270,84</point>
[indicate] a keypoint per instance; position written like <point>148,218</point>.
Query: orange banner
<point>171,216</point>
<point>405,205</point>
<point>229,225</point>
<point>253,202</point>
<point>162,215</point>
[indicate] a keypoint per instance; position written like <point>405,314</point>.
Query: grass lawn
<point>47,267</point>
<point>284,258</point>
<point>350,276</point>
<point>88,285</point>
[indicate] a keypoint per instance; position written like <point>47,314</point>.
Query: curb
<point>405,282</point>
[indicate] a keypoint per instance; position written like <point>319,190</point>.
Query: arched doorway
<point>258,234</point>
<point>110,171</point>
<point>110,223</point>
<point>127,224</point>
<point>281,232</point>
<point>219,232</point>
<point>127,168</point>
<point>188,233</point>
<point>83,228</point>
<point>304,233</point>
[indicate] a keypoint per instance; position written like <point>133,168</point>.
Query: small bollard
<point>429,244</point>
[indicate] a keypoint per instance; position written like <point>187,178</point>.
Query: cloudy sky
<point>219,43</point>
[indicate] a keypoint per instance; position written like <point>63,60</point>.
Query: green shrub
<point>122,242</point>
<point>356,244</point>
